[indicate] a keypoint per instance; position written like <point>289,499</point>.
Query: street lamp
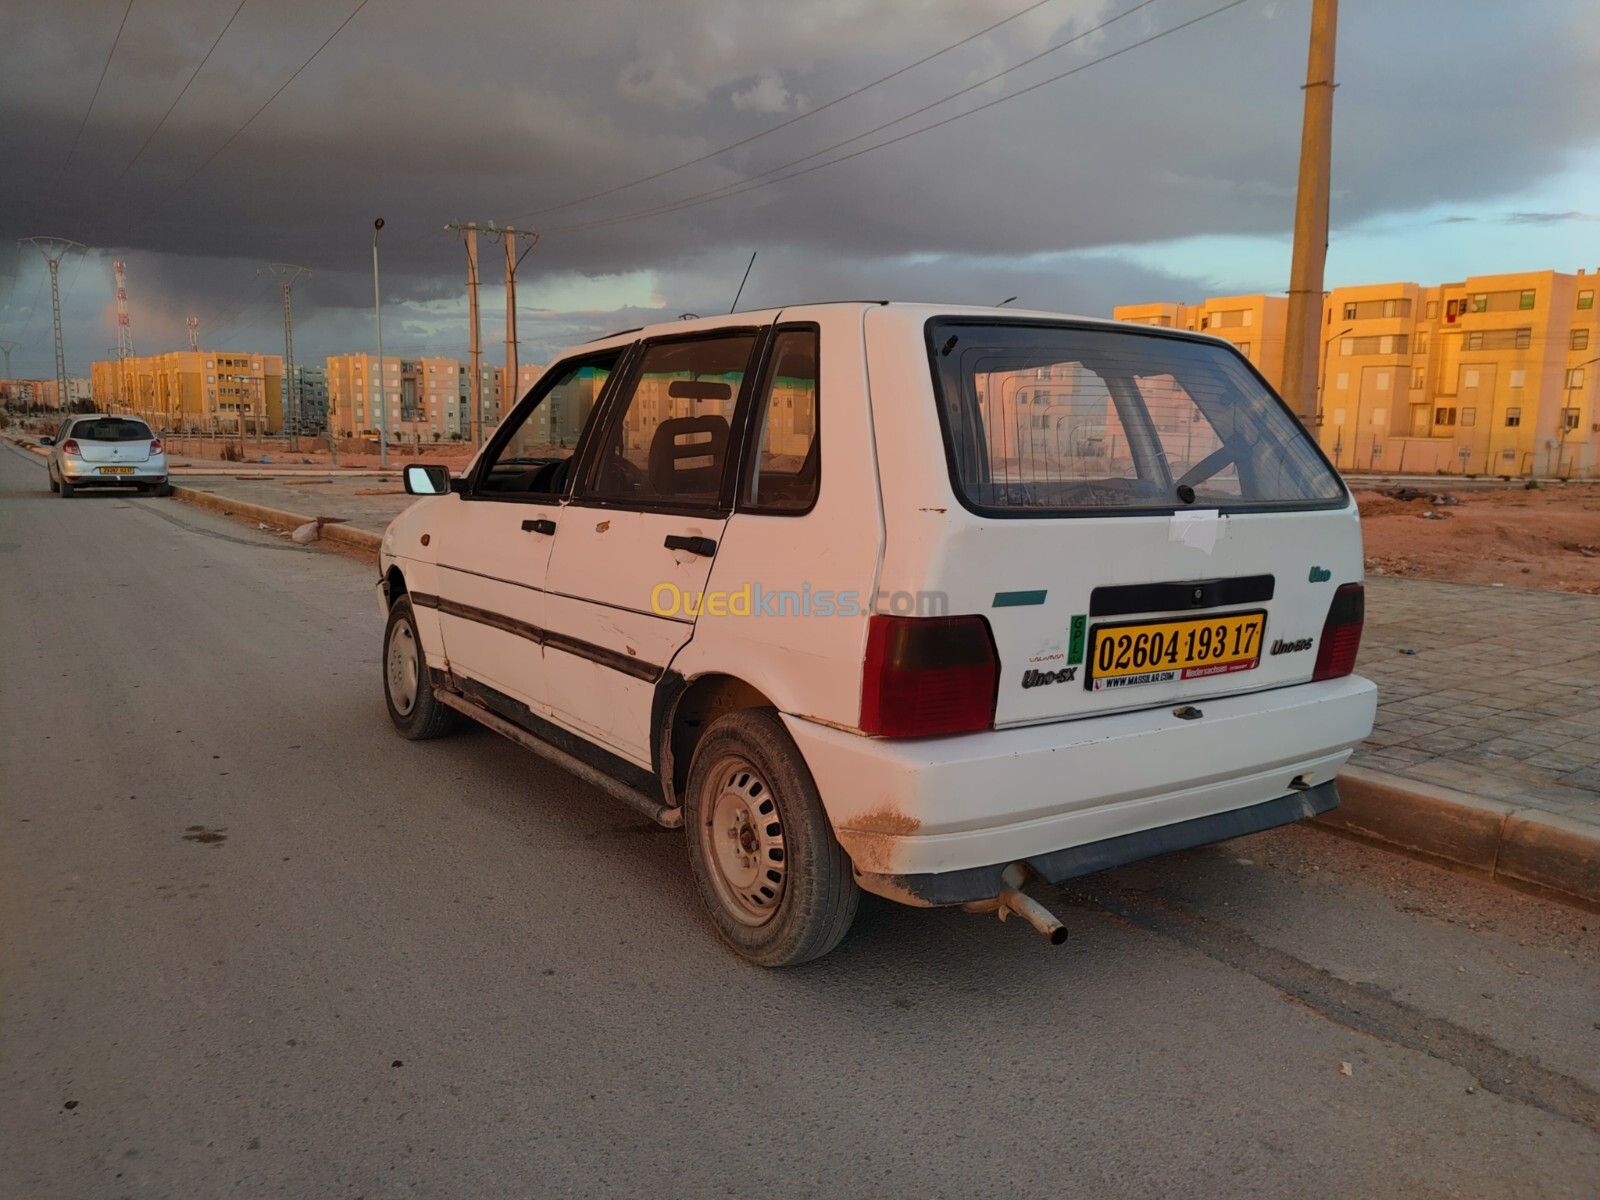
<point>1322,383</point>
<point>1561,436</point>
<point>377,315</point>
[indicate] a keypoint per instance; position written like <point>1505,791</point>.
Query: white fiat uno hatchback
<point>928,601</point>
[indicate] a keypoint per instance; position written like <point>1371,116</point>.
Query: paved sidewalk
<point>368,503</point>
<point>1501,698</point>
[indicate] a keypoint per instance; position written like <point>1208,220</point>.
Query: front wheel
<point>413,708</point>
<point>775,881</point>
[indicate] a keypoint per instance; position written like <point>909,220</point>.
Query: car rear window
<point>113,429</point>
<point>1055,418</point>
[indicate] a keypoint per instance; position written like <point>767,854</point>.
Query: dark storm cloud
<point>497,109</point>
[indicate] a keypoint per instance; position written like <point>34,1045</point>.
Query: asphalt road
<point>254,944</point>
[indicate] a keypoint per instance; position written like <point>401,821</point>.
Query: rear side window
<point>1045,418</point>
<point>113,429</point>
<point>782,472</point>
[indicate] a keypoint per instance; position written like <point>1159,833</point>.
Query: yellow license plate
<point>116,470</point>
<point>1166,651</point>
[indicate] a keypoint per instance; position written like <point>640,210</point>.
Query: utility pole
<point>54,249</point>
<point>377,314</point>
<point>124,336</point>
<point>286,274</point>
<point>6,348</point>
<point>1311,216</point>
<point>513,260</point>
<point>475,354</point>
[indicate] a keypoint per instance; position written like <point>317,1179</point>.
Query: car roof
<point>914,311</point>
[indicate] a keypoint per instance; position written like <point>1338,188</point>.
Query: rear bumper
<point>904,810</point>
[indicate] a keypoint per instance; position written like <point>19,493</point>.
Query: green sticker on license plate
<point>1080,625</point>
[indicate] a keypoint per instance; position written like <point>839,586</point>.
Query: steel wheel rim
<point>403,674</point>
<point>741,834</point>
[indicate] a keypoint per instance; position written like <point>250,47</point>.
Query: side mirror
<point>427,479</point>
<point>47,441</point>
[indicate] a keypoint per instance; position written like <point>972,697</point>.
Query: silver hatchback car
<point>106,451</point>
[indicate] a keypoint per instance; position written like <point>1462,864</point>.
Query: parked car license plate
<point>1163,651</point>
<point>116,470</point>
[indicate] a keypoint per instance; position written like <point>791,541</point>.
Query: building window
<point>1383,381</point>
<point>1422,343</point>
<point>1347,347</point>
<point>1480,302</point>
<point>1349,312</point>
<point>1391,308</point>
<point>1518,377</point>
<point>1444,416</point>
<point>1433,310</point>
<point>1580,339</point>
<point>1575,377</point>
<point>1474,341</point>
<point>1569,418</point>
<point>1342,380</point>
<point>1244,349</point>
<point>1380,416</point>
<point>1469,416</point>
<point>1248,317</point>
<point>1469,377</point>
<point>1513,417</point>
<point>1586,298</point>
<point>1417,378</point>
<point>1525,300</point>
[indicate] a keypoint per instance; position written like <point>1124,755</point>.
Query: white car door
<point>638,538</point>
<point>493,544</point>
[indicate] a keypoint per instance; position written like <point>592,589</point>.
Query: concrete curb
<point>276,517</point>
<point>1528,848</point>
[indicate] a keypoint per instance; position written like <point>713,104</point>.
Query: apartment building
<point>192,391</point>
<point>307,398</point>
<point>42,393</point>
<point>1493,375</point>
<point>428,399</point>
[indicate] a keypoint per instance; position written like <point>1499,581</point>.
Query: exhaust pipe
<point>1012,901</point>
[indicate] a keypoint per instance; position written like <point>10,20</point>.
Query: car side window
<point>668,441</point>
<point>536,457</point>
<point>783,470</point>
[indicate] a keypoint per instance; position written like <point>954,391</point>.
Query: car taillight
<point>1341,633</point>
<point>155,446</point>
<point>928,675</point>
<point>70,446</point>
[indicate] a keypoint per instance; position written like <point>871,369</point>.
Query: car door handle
<point>703,546</point>
<point>540,525</point>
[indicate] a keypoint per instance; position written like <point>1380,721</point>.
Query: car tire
<point>407,692</point>
<point>777,885</point>
<point>51,480</point>
<point>64,490</point>
<point>163,489</point>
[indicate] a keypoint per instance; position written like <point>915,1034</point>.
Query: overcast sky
<point>1466,141</point>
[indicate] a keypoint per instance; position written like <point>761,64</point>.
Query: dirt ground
<point>1545,537</point>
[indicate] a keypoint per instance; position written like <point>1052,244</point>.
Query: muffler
<point>1012,901</point>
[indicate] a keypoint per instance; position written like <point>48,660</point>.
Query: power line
<point>792,120</point>
<point>758,182</point>
<point>71,150</point>
<point>183,92</point>
<point>735,188</point>
<point>192,174</point>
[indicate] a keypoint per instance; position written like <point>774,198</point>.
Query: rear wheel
<point>65,490</point>
<point>416,713</point>
<point>777,885</point>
